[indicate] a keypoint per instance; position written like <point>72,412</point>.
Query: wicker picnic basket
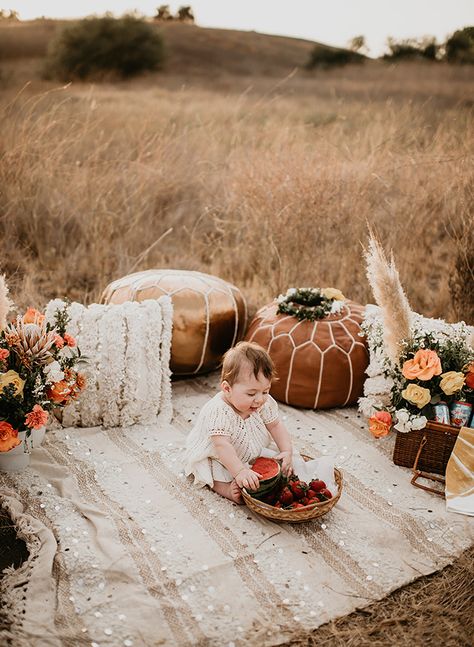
<point>299,515</point>
<point>426,451</point>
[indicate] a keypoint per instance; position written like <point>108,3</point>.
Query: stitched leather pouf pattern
<point>320,364</point>
<point>209,314</point>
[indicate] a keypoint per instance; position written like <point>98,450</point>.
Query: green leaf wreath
<point>310,303</point>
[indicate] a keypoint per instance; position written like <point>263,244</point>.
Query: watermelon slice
<point>270,470</point>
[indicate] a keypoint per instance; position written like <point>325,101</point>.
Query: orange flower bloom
<point>81,381</point>
<point>424,365</point>
<point>33,316</point>
<point>58,341</point>
<point>380,423</point>
<point>69,339</point>
<point>4,353</point>
<point>469,381</point>
<point>59,392</point>
<point>36,418</point>
<point>8,437</point>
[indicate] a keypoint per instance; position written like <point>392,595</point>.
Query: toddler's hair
<point>247,352</point>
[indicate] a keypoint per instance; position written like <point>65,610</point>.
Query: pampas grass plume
<point>5,303</point>
<point>389,295</point>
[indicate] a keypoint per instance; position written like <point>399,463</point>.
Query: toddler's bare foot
<point>230,491</point>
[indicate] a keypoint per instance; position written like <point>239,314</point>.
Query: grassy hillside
<point>190,48</point>
<point>264,178</point>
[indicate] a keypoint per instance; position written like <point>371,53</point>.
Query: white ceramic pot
<point>17,458</point>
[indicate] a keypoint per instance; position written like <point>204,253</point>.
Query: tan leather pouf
<point>209,314</point>
<point>321,363</point>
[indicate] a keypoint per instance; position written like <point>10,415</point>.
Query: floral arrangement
<point>37,370</point>
<point>412,368</point>
<point>432,367</point>
<point>311,303</point>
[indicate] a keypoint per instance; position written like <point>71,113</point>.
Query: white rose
<point>418,422</point>
<point>53,372</point>
<point>403,421</point>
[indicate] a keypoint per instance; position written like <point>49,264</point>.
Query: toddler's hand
<point>249,479</point>
<point>286,462</point>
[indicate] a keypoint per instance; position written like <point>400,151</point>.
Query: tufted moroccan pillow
<point>127,352</point>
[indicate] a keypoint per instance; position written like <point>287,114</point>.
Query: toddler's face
<point>249,393</point>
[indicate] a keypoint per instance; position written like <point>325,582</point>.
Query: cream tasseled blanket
<point>124,551</point>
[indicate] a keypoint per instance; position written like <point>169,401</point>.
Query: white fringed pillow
<point>127,352</point>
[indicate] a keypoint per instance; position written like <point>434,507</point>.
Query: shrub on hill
<point>97,47</point>
<point>412,49</point>
<point>460,46</point>
<point>326,57</point>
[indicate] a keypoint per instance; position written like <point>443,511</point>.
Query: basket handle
<point>418,473</point>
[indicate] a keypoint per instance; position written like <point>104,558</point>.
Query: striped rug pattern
<point>137,556</point>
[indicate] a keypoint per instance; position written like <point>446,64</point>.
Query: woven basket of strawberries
<point>289,499</point>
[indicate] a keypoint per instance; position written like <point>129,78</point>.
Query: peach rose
<point>4,353</point>
<point>12,377</point>
<point>8,437</point>
<point>424,365</point>
<point>417,395</point>
<point>380,423</point>
<point>37,418</point>
<point>33,316</point>
<point>59,392</point>
<point>451,382</point>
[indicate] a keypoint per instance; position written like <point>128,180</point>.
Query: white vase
<point>19,457</point>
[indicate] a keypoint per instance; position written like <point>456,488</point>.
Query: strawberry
<point>304,500</point>
<point>326,493</point>
<point>317,485</point>
<point>277,505</point>
<point>296,505</point>
<point>310,494</point>
<point>298,489</point>
<point>286,496</point>
<point>321,496</point>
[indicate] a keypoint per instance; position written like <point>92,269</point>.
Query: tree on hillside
<point>412,49</point>
<point>185,14</point>
<point>9,14</point>
<point>163,13</point>
<point>358,44</point>
<point>460,46</point>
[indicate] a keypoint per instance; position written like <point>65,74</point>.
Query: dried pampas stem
<point>5,303</point>
<point>389,295</point>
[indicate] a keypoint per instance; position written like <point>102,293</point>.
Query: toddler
<point>236,424</point>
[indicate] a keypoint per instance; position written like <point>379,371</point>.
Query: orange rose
<point>380,423</point>
<point>33,316</point>
<point>8,437</point>
<point>59,392</point>
<point>4,353</point>
<point>423,366</point>
<point>469,381</point>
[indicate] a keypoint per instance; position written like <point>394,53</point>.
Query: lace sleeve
<point>219,422</point>
<point>269,411</point>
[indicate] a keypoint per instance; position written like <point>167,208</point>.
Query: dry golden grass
<point>267,182</point>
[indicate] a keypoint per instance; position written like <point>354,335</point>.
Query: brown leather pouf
<point>321,363</point>
<point>209,314</point>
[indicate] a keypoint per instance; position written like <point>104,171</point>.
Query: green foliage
<point>96,47</point>
<point>460,46</point>
<point>326,57</point>
<point>412,49</point>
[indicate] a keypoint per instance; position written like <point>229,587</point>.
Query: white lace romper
<point>217,418</point>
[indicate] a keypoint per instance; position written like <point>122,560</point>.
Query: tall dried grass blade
<point>388,292</point>
<point>5,303</point>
